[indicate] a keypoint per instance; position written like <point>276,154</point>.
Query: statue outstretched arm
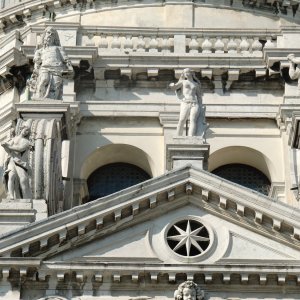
<point>175,86</point>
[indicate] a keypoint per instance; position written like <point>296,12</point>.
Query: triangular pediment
<point>147,242</point>
<point>124,226</point>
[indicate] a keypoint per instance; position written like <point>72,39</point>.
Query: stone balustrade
<point>203,42</point>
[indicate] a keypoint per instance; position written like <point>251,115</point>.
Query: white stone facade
<point>115,105</point>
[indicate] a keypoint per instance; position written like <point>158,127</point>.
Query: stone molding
<point>251,275</point>
<point>8,16</point>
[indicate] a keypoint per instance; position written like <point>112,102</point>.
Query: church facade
<point>149,150</point>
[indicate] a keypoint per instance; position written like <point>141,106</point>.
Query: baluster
<point>269,43</point>
<point>193,45</point>
<point>256,46</point>
<point>128,44</point>
<point>116,43</point>
<point>232,45</point>
<point>140,46</point>
<point>90,41</point>
<point>166,46</point>
<point>103,44</point>
<point>244,46</point>
<point>153,45</point>
<point>219,45</point>
<point>206,46</point>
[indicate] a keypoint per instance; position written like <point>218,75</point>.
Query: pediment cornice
<point>157,196</point>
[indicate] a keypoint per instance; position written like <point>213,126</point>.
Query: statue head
<point>187,73</point>
<point>50,37</point>
<point>25,130</point>
<point>188,290</point>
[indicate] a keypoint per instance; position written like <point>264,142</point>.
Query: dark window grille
<point>246,176</point>
<point>114,177</point>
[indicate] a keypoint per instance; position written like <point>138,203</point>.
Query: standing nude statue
<point>188,91</point>
<point>50,64</point>
<point>188,290</point>
<point>15,175</point>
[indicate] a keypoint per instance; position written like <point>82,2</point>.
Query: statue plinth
<point>187,150</point>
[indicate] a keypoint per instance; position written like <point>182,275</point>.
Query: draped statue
<point>51,63</point>
<point>16,177</point>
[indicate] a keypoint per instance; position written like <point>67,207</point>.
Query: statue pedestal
<point>16,213</point>
<point>187,150</point>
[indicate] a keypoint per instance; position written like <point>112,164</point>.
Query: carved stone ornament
<point>51,63</point>
<point>294,71</point>
<point>188,290</point>
<point>188,91</point>
<point>16,166</point>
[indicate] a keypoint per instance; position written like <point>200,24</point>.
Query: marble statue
<point>188,290</point>
<point>51,63</point>
<point>188,91</point>
<point>16,178</point>
<point>294,71</point>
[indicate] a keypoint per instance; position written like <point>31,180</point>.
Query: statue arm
<point>37,59</point>
<point>66,59</point>
<point>176,86</point>
<point>199,93</point>
<point>19,147</point>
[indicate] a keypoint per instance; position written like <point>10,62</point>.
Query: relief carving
<point>189,290</point>
<point>16,167</point>
<point>188,91</point>
<point>51,63</point>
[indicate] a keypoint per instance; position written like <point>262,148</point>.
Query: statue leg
<point>11,180</point>
<point>43,85</point>
<point>193,119</point>
<point>184,112</point>
<point>24,183</point>
<point>58,84</point>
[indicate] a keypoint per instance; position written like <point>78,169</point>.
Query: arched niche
<point>242,155</point>
<point>116,153</point>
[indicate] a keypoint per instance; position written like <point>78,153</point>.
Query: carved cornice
<point>75,54</point>
<point>267,274</point>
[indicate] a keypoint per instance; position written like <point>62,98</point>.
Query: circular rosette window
<point>188,238</point>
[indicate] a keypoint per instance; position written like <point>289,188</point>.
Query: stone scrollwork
<point>16,166</point>
<point>294,70</point>
<point>51,64</point>
<point>189,290</point>
<point>188,91</point>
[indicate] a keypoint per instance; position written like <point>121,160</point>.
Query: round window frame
<point>190,259</point>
